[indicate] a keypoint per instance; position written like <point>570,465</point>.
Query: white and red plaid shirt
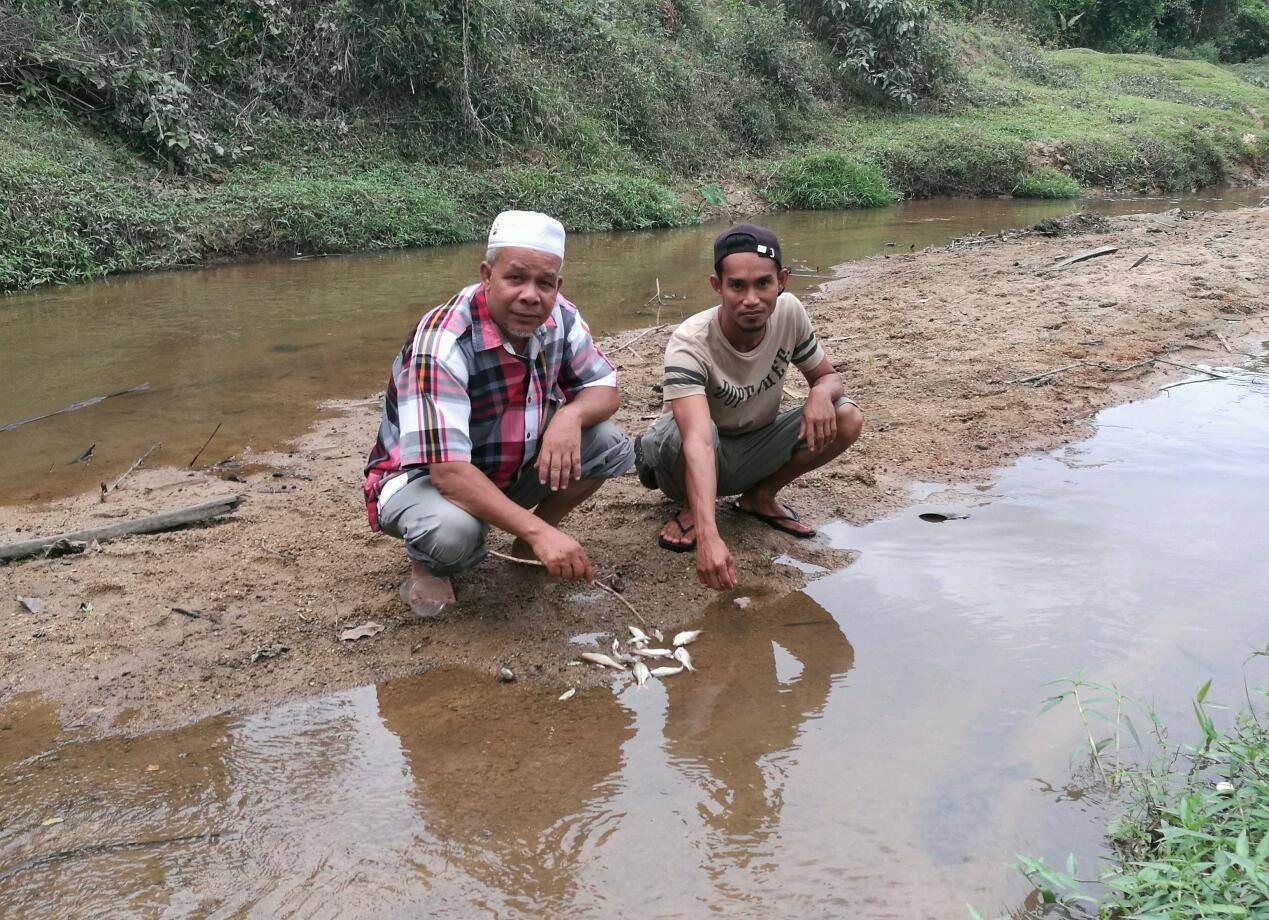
<point>460,392</point>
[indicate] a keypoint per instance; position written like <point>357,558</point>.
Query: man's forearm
<point>467,487</point>
<point>830,385</point>
<point>702,484</point>
<point>591,405</point>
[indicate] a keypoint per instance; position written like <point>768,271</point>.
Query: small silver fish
<point>625,658</point>
<point>660,636</point>
<point>641,673</point>
<point>681,655</point>
<point>602,660</point>
<point>568,694</point>
<point>686,636</point>
<point>637,634</point>
<point>652,652</point>
<point>667,671</point>
<point>616,649</point>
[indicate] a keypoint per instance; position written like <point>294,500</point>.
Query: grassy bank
<point>1193,840</point>
<point>639,136</point>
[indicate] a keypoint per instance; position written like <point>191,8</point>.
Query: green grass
<point>828,181</point>
<point>1193,840</point>
<point>1046,182</point>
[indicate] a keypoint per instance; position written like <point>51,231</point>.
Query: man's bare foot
<point>426,594</point>
<point>776,514</point>
<point>678,533</point>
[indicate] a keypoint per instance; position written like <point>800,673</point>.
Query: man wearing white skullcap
<point>498,403</point>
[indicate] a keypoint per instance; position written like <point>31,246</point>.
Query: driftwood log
<point>155,523</point>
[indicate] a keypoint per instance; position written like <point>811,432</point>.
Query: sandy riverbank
<point>927,344</point>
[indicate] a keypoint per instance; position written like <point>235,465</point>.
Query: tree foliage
<point>888,48</point>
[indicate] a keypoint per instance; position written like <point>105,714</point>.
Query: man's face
<point>520,289</point>
<point>749,286</point>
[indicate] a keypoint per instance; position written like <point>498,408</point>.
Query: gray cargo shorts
<point>447,540</point>
<point>741,460</point>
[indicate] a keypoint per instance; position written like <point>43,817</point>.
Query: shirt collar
<point>485,332</point>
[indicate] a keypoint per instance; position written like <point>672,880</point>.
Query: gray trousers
<point>447,540</point>
<point>741,460</point>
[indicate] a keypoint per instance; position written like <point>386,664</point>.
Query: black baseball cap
<point>745,238</point>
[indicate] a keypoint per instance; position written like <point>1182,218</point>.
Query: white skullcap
<point>527,230</point>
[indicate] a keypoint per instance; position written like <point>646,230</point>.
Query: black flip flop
<point>683,532</point>
<point>773,520</point>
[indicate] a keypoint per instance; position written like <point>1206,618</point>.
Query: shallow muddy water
<point>867,748</point>
<point>254,348</point>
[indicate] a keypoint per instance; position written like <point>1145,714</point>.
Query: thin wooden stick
<point>205,443</point>
<point>598,584</point>
<point>638,337</point>
<point>107,489</point>
<point>82,404</point>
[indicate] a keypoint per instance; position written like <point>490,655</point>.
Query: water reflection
<point>733,730</point>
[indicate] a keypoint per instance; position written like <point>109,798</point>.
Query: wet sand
<point>927,344</point>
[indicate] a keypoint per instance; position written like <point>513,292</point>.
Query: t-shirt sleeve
<point>685,372</point>
<point>433,408</point>
<point>807,352</point>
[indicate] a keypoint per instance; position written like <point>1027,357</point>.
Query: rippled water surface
<point>255,347</point>
<point>868,748</point>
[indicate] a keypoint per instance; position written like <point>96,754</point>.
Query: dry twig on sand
<point>598,584</point>
<point>107,489</point>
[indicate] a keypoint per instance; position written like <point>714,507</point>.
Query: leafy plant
<point>1194,841</point>
<point>888,48</point>
<point>828,181</point>
<point>1046,182</point>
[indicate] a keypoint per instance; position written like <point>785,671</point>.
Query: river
<point>254,348</point>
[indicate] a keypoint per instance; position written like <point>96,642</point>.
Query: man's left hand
<point>559,460</point>
<point>819,421</point>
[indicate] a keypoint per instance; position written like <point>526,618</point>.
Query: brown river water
<point>867,748</point>
<point>254,348</point>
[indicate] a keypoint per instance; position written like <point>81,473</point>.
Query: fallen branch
<point>83,404</point>
<point>645,332</point>
<point>95,849</point>
<point>107,489</point>
<point>1052,373</point>
<point>598,584</point>
<point>205,443</point>
<point>155,523</point>
<point>1081,257</point>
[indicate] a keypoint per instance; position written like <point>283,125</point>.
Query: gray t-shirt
<point>743,387</point>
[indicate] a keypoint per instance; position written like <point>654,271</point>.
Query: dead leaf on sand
<point>32,604</point>
<point>364,631</point>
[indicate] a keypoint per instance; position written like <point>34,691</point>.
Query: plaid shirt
<point>459,392</point>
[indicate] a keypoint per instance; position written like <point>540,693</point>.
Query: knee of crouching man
<point>850,422</point>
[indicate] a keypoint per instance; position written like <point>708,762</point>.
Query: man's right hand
<point>714,565</point>
<point>562,555</point>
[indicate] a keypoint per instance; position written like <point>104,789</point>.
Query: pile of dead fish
<point>639,650</point>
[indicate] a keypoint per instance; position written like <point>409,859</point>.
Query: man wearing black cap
<point>724,433</point>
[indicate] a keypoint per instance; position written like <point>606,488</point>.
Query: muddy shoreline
<point>927,343</point>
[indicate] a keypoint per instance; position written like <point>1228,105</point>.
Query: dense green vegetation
<point>138,134</point>
<point>1194,838</point>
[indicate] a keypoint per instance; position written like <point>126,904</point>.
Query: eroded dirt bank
<point>928,344</point>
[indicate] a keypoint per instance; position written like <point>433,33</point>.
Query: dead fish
<point>641,673</point>
<point>568,694</point>
<point>616,649</point>
<point>625,658</point>
<point>637,634</point>
<point>686,636</point>
<point>667,671</point>
<point>652,652</point>
<point>660,636</point>
<point>602,660</point>
<point>681,655</point>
